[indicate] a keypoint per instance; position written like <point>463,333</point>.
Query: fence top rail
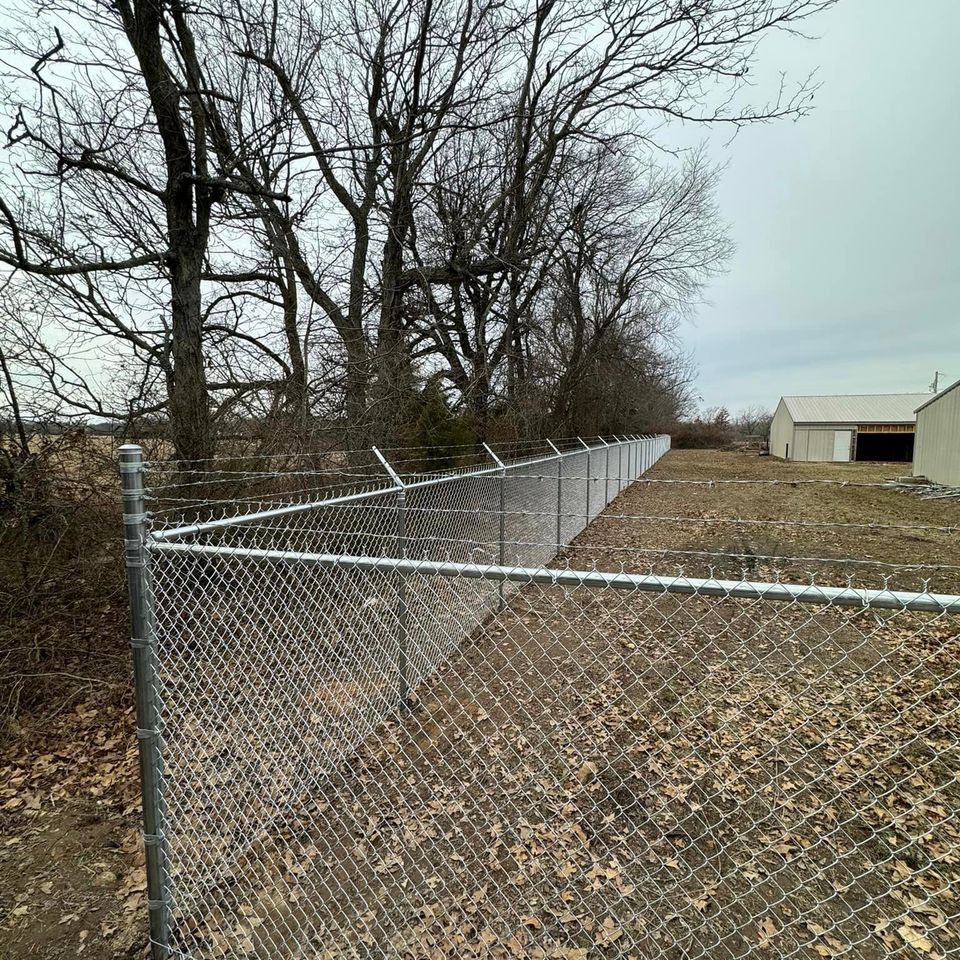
<point>175,533</point>
<point>809,593</point>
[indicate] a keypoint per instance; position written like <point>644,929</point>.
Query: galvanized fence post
<point>606,471</point>
<point>588,476</point>
<point>559,495</point>
<point>616,440</point>
<point>502,538</point>
<point>403,629</point>
<point>149,739</point>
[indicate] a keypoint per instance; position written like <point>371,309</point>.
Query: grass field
<point>597,774</point>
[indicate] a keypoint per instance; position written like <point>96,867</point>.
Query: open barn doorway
<point>883,446</point>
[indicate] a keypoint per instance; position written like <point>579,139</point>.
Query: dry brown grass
<point>766,549</point>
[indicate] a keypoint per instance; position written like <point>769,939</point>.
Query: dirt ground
<point>599,774</point>
<point>764,548</point>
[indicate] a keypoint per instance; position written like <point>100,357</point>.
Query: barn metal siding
<point>798,449</point>
<point>936,452</point>
<point>781,433</point>
<point>817,445</point>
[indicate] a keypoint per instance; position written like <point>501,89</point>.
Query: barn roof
<point>928,399</point>
<point>856,408</point>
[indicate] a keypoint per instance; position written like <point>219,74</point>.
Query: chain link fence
<point>404,722</point>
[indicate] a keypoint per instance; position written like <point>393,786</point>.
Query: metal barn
<point>937,449</point>
<point>834,429</point>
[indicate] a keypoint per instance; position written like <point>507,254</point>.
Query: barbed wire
<point>176,465</point>
<point>464,470</point>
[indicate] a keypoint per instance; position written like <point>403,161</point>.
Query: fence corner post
<point>142,639</point>
<point>403,628</point>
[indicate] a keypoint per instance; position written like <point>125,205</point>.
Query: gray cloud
<point>846,277</point>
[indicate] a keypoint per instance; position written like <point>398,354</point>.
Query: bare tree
<point>115,185</point>
<point>243,192</point>
<point>586,82</point>
<point>753,421</point>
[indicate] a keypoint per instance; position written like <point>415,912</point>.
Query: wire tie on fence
<point>141,644</point>
<point>152,839</point>
<point>143,734</point>
<point>158,905</point>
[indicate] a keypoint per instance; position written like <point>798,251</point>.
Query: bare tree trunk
<point>189,399</point>
<point>392,361</point>
<point>187,201</point>
<point>14,405</point>
<point>479,403</point>
<point>295,394</point>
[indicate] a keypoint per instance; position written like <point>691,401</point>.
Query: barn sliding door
<point>841,445</point>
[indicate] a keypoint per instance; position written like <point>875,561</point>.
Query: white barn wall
<point>798,449</point>
<point>781,432</point>
<point>936,453</point>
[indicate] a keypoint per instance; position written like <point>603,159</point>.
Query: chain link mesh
<point>416,724</point>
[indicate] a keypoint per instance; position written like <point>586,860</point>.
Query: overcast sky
<point>846,277</point>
